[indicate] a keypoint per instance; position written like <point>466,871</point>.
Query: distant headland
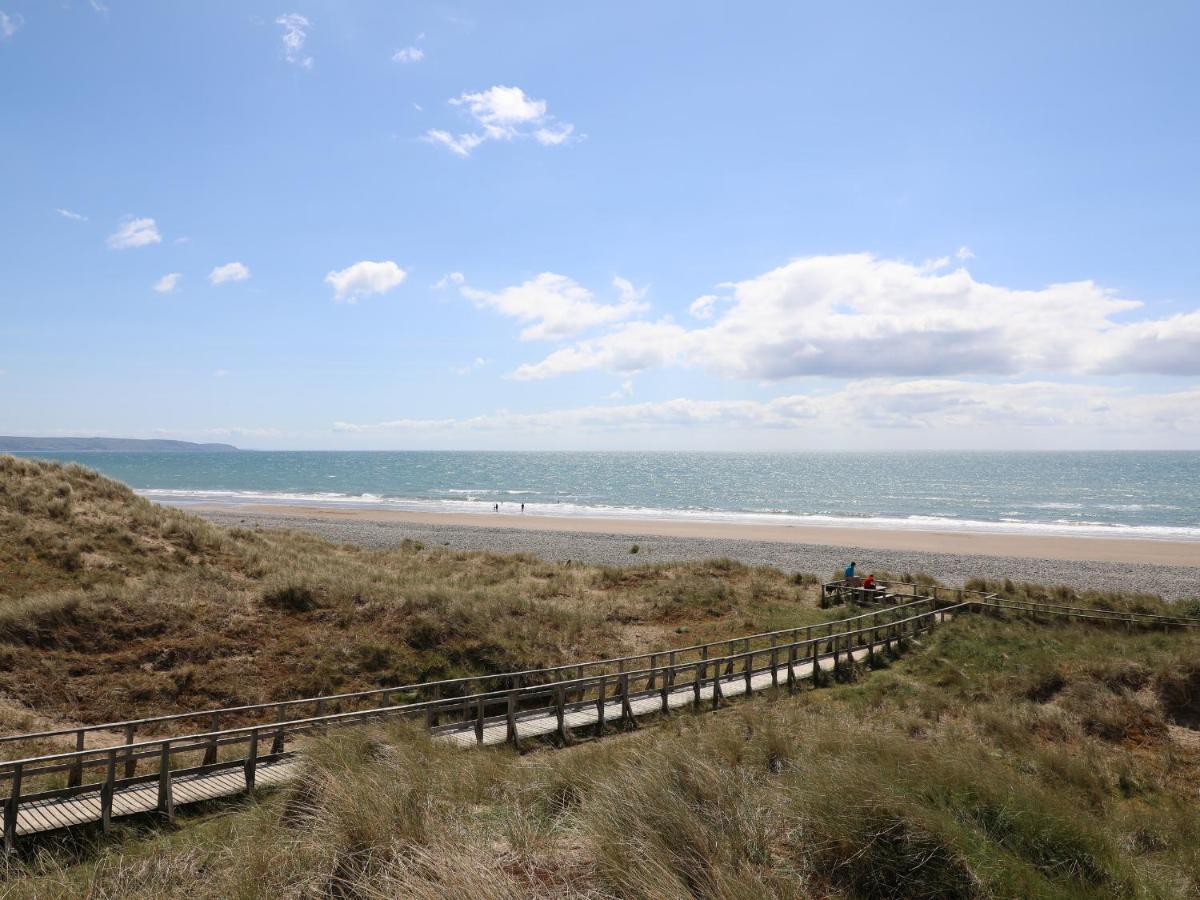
<point>10,444</point>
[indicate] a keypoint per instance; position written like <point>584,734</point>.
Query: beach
<point>1166,567</point>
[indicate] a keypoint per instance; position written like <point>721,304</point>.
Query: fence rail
<point>101,782</point>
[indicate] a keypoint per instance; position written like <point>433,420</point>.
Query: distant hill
<point>105,445</point>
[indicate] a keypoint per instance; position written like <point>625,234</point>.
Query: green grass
<point>1007,757</point>
<point>938,776</point>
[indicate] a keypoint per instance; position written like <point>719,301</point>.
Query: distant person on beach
<point>850,570</point>
<point>522,507</point>
<point>496,507</point>
<point>869,583</point>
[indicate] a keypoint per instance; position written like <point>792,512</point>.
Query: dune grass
<point>954,772</point>
<point>1012,757</point>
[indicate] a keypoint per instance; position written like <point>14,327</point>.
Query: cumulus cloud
<point>73,216</point>
<point>10,25</point>
<point>855,315</point>
<point>964,253</point>
<point>295,35</point>
<point>168,283</point>
<point>234,271</point>
<point>877,403</point>
<point>134,232</point>
<point>408,55</point>
<point>363,278</point>
<point>501,113</point>
<point>557,306</point>
<point>450,278</point>
<point>702,307</point>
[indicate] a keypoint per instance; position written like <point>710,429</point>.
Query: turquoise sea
<point>1129,494</point>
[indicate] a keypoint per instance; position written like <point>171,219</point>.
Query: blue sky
<point>672,225</point>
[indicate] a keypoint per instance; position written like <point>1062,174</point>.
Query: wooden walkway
<point>196,765</point>
<point>586,714</point>
<point>54,813</point>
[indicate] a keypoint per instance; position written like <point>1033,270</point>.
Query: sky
<point>375,225</point>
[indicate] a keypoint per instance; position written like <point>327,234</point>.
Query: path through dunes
<point>104,782</point>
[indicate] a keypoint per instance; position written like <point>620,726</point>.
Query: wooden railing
<point>104,771</point>
<point>211,720</point>
<point>503,701</point>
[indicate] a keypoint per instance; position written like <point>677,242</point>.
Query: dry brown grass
<point>112,607</point>
<point>936,777</point>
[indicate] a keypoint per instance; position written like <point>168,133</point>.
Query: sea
<point>1150,495</point>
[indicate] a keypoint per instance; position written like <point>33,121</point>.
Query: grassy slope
<point>1003,759</point>
<point>113,607</point>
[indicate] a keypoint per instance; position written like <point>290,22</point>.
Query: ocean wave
<point>945,522</point>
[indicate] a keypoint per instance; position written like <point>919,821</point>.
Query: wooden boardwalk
<point>586,714</point>
<point>104,782</point>
<point>55,813</point>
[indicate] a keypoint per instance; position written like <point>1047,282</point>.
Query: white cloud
<point>295,34</point>
<point>462,145</point>
<point>234,271</point>
<point>98,7</point>
<point>133,232</point>
<point>502,113</point>
<point>364,278</point>
<point>964,253</point>
<point>10,25</point>
<point>878,404</point>
<point>625,391</point>
<point>702,307</point>
<point>168,283</point>
<point>73,216</point>
<point>557,306</point>
<point>477,363</point>
<point>448,279</point>
<point>408,55</point>
<point>855,316</point>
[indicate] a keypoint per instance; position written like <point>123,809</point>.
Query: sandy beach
<point>1170,568</point>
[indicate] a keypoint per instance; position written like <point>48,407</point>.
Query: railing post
<point>600,701</point>
<point>816,663</point>
<point>653,671</point>
<point>210,752</point>
<point>791,674</point>
<point>130,762</point>
<point>12,810</point>
<point>698,677</point>
<point>510,719</point>
<point>166,799</point>
<point>278,739</point>
<point>431,712</point>
<point>252,762</point>
<point>479,720</point>
<point>560,702</point>
<point>106,792</point>
<point>664,690</point>
<point>716,697</point>
<point>774,663</point>
<point>75,777</point>
<point>749,673</point>
<point>626,709</point>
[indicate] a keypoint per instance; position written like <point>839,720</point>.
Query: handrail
<point>174,741</point>
<point>428,686</point>
<point>888,627</point>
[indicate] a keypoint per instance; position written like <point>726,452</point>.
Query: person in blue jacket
<point>850,570</point>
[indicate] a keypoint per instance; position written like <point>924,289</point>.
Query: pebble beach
<point>616,549</point>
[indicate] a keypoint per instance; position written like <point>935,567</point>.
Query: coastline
<point>1066,548</point>
<point>960,557</point>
